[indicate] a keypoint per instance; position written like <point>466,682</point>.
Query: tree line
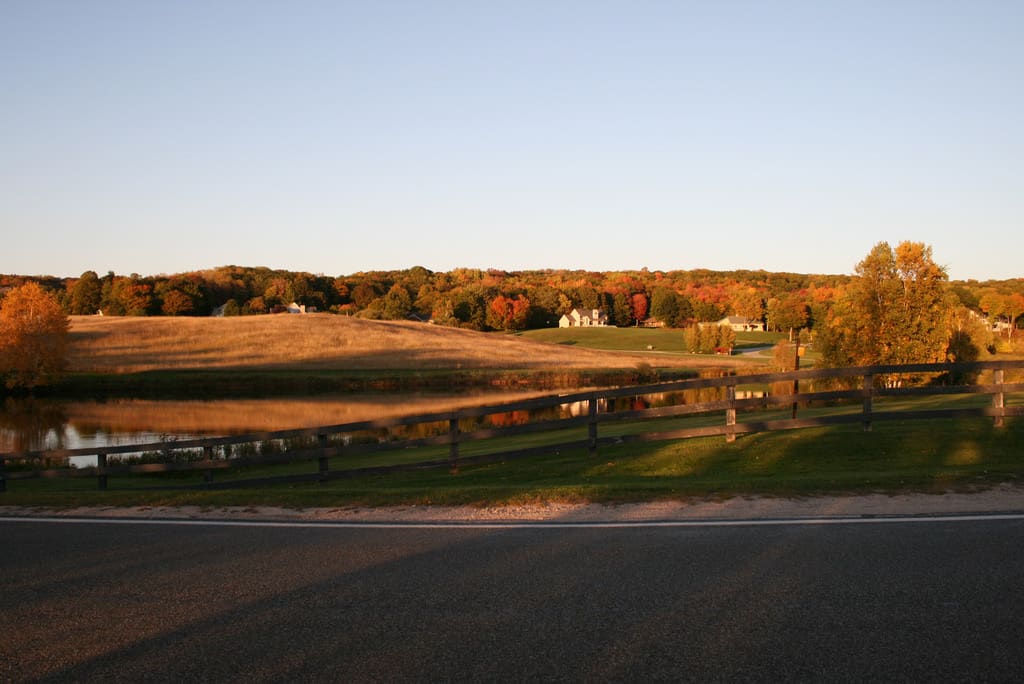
<point>500,300</point>
<point>899,307</point>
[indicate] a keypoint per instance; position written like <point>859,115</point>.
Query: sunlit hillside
<point>108,344</point>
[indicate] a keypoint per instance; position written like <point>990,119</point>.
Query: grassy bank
<point>931,456</point>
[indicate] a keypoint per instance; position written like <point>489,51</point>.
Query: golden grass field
<point>323,342</point>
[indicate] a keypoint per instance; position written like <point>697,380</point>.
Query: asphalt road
<point>896,601</point>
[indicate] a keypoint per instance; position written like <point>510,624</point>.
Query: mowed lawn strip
<point>664,340</point>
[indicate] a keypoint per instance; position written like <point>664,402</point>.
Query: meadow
<point>323,342</point>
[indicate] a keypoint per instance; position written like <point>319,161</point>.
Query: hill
<point>322,342</point>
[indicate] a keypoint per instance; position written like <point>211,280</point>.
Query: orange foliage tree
<point>33,337</point>
<point>505,313</point>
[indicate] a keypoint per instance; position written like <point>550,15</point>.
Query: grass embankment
<point>314,353</point>
<point>932,456</point>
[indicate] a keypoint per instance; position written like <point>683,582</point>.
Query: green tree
<point>621,313</point>
<point>33,337</point>
<point>396,304</point>
<point>470,308</point>
<point>86,294</point>
<point>665,305</point>
<point>707,311</point>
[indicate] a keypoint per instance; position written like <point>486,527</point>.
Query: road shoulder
<point>1001,499</point>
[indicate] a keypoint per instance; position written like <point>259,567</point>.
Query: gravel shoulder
<point>1001,499</point>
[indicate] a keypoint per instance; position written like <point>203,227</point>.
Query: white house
<point>583,318</point>
<point>296,308</point>
<point>742,324</point>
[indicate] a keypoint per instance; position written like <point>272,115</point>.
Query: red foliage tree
<point>639,302</point>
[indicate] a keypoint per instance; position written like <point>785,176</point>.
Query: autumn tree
<point>33,337</point>
<point>507,313</point>
<point>708,338</point>
<point>639,302</point>
<point>748,303</point>
<point>176,303</point>
<point>691,339</point>
<point>894,311</point>
<point>726,338</point>
<point>788,312</point>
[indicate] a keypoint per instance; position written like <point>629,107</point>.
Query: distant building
<point>740,324</point>
<point>295,308</point>
<point>583,318</point>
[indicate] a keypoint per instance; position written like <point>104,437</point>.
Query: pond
<point>28,424</point>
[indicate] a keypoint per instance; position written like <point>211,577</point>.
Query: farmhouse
<point>742,324</point>
<point>583,318</point>
<point>296,308</point>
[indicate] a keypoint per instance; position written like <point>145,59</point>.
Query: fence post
<point>796,380</point>
<point>101,470</point>
<point>453,445</point>
<point>999,400</point>
<point>322,463</point>
<point>730,413</point>
<point>592,425</point>
<point>3,475</point>
<point>869,386</point>
<point>208,456</point>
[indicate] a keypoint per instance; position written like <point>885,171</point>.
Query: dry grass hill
<point>320,342</point>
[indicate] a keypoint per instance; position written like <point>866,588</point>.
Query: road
<point>849,602</point>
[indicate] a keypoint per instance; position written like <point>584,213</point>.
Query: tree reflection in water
<point>28,424</point>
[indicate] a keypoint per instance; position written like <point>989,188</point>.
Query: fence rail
<point>321,444</point>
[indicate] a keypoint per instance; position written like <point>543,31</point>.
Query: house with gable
<point>742,324</point>
<point>583,318</point>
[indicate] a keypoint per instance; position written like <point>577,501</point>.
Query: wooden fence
<point>852,402</point>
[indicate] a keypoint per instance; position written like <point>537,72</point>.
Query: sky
<point>336,137</point>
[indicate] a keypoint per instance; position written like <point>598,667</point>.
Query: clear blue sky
<point>334,137</point>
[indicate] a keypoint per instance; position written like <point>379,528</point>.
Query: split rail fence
<point>853,402</point>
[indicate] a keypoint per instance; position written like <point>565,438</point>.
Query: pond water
<point>28,424</point>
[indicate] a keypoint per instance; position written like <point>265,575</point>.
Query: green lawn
<point>668,340</point>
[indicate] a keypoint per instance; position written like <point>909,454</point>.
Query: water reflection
<point>29,424</point>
